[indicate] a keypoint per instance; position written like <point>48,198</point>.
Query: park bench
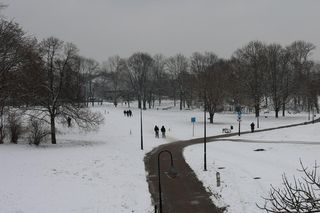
<point>226,130</point>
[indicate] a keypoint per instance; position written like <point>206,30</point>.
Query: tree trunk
<point>257,110</point>
<point>266,99</point>
<point>150,99</point>
<point>115,100</point>
<point>283,109</point>
<point>2,133</point>
<point>139,102</point>
<point>277,112</point>
<point>211,114</point>
<point>53,129</point>
<point>144,104</point>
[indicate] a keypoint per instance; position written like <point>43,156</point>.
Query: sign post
<point>193,120</point>
<point>239,120</point>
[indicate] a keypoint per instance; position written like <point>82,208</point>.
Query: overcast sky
<point>103,28</point>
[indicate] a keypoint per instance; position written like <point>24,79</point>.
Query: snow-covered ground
<point>240,165</point>
<point>103,171</point>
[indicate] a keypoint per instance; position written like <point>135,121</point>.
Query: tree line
<point>257,75</point>
<point>50,81</point>
<point>43,81</point>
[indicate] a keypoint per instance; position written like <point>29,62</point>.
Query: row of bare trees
<point>258,75</point>
<point>279,74</point>
<point>45,81</point>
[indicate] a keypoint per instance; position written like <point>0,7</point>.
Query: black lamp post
<point>205,139</point>
<point>141,127</point>
<point>239,120</point>
<point>313,114</point>
<point>172,173</point>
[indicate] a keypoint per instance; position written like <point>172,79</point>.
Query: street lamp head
<point>172,173</point>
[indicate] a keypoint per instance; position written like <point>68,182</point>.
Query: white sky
<point>103,28</point>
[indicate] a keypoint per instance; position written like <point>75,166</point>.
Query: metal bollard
<point>218,178</point>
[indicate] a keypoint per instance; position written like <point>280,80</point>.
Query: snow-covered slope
<point>103,171</point>
<point>247,174</point>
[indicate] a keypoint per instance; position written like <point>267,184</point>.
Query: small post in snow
<point>218,179</point>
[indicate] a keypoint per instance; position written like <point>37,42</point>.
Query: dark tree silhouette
<point>300,196</point>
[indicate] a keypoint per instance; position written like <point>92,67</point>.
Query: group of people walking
<point>163,131</point>
<point>127,113</point>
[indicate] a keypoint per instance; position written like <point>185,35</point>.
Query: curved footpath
<point>185,193</point>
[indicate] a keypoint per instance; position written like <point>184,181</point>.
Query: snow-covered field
<point>103,171</point>
<point>239,164</point>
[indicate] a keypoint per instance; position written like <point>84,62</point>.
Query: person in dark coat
<point>69,121</point>
<point>163,131</point>
<point>125,112</point>
<point>156,131</point>
<point>129,113</point>
<point>252,127</point>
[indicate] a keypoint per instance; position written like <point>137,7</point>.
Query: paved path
<point>185,193</point>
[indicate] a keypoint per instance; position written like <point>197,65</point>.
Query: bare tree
<point>115,67</point>
<point>216,80</point>
<point>11,56</point>
<point>315,85</point>
<point>275,74</point>
<point>300,196</point>
<point>139,67</point>
<point>89,69</point>
<point>160,76</point>
<point>286,78</point>
<point>235,84</point>
<point>58,59</point>
<point>199,63</point>
<point>177,67</point>
<point>253,62</point>
<point>301,64</point>
<point>25,88</point>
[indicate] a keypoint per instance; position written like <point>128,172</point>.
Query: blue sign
<point>193,119</point>
<point>239,116</point>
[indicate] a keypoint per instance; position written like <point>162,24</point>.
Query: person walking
<point>69,121</point>
<point>163,131</point>
<point>156,131</point>
<point>252,127</point>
